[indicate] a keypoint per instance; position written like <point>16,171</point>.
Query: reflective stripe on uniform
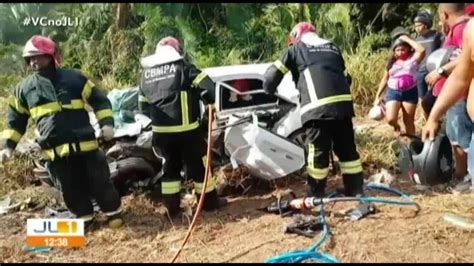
<point>310,86</point>
<point>351,167</point>
<point>54,107</point>
<point>12,134</point>
<point>169,188</point>
<point>318,173</point>
<point>184,108</point>
<point>63,149</point>
<point>142,98</point>
<point>174,129</point>
<point>199,78</point>
<point>326,100</point>
<point>210,186</point>
<point>279,64</point>
<point>15,104</point>
<point>87,90</point>
<point>88,145</point>
<point>75,104</point>
<point>310,155</point>
<point>45,109</point>
<point>104,113</point>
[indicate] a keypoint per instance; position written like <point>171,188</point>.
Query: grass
<point>377,149</point>
<point>366,69</point>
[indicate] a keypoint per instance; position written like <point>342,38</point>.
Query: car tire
<point>129,170</point>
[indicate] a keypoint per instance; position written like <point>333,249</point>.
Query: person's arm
<point>17,120</point>
<point>143,104</point>
<point>277,71</point>
<point>449,67</point>
<point>456,85</point>
<point>99,102</point>
<point>438,40</point>
<point>419,54</point>
<point>470,99</point>
<point>201,81</point>
<point>382,86</point>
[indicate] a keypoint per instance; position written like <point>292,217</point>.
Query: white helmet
<point>377,112</point>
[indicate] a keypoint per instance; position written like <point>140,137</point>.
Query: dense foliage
<point>112,37</point>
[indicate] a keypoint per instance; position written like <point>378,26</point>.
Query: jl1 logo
<point>61,227</point>
<point>55,232</point>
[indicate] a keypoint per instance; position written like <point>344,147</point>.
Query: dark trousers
<point>337,135</point>
<point>85,176</point>
<point>186,149</point>
<point>421,83</point>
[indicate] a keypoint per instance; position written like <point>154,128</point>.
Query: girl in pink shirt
<point>400,78</point>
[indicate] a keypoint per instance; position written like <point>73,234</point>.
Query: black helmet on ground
<point>427,163</point>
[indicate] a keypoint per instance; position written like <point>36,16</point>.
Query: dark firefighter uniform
<point>56,105</point>
<point>169,95</point>
<point>326,106</point>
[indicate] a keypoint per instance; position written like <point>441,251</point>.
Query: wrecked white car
<point>261,131</point>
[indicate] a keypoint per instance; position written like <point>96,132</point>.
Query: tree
<point>123,13</point>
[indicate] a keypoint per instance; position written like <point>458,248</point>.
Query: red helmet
<point>173,42</point>
<point>40,45</point>
<point>469,10</point>
<point>298,31</point>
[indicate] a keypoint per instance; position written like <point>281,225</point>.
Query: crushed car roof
<point>236,71</point>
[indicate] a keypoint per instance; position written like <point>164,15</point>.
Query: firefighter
<point>318,70</point>
<point>170,90</point>
<point>54,98</point>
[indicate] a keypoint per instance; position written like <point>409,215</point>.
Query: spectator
<point>458,126</point>
<point>431,40</point>
<point>400,77</point>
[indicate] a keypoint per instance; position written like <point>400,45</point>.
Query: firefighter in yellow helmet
<point>54,98</point>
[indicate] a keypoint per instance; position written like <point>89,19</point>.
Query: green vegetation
<point>112,37</point>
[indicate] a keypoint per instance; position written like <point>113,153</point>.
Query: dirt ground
<point>240,232</point>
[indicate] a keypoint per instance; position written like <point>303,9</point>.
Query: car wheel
<point>129,170</point>
<point>301,137</point>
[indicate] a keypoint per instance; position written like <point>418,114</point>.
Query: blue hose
<point>312,253</point>
<point>309,254</point>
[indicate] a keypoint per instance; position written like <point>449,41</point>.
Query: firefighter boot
<point>317,187</point>
<point>212,201</point>
<point>353,185</point>
<point>171,203</point>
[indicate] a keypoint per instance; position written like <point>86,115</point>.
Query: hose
<point>312,253</point>
<point>309,254</point>
<point>206,175</point>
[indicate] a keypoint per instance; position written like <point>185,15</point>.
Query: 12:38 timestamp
<point>56,241</point>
